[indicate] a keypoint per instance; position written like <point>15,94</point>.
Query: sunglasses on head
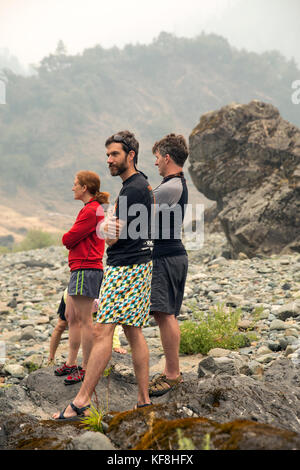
<point>119,139</point>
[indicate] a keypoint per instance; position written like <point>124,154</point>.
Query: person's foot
<point>72,412</point>
<point>161,384</point>
<point>120,350</point>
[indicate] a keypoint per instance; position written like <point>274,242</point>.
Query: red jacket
<point>85,247</point>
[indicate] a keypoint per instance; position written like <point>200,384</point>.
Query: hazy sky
<point>31,29</point>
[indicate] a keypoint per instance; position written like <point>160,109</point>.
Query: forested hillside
<point>10,62</point>
<point>56,122</point>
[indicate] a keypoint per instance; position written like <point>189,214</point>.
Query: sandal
<point>161,385</point>
<point>142,406</point>
<point>79,413</point>
<point>155,378</point>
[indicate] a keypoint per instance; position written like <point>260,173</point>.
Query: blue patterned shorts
<point>125,295</point>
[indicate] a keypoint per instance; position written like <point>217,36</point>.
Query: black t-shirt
<point>134,206</point>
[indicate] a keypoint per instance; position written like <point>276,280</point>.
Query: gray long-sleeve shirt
<point>171,197</point>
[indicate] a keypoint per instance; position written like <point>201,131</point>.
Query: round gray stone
<point>92,441</point>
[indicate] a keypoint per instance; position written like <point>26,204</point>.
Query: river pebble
<point>266,290</point>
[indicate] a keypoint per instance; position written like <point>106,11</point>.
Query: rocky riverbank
<point>259,383</point>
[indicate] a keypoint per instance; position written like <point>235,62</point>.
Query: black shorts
<point>85,282</point>
<point>168,282</point>
<point>61,309</point>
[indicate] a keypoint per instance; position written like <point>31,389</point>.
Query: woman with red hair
<point>86,251</point>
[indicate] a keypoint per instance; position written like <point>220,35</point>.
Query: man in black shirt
<point>170,261</point>
<point>125,290</point>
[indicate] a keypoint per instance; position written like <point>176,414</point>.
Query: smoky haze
<point>254,25</point>
<point>261,25</point>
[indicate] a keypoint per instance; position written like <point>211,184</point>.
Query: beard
<point>118,169</point>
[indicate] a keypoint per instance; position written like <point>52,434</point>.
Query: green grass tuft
<point>184,443</point>
<point>93,422</point>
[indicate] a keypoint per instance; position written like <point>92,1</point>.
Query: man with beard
<point>125,290</point>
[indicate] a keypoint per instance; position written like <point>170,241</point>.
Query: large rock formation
<point>247,159</point>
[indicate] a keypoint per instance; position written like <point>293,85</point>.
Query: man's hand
<point>110,230</point>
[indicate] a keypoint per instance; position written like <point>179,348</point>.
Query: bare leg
<point>74,332</point>
<point>140,359</point>
<point>98,360</point>
<point>55,338</point>
<point>170,338</point>
<point>83,307</point>
<point>116,342</point>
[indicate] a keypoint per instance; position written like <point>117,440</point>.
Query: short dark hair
<point>128,141</point>
<point>175,146</point>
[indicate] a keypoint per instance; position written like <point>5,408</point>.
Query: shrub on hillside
<point>36,239</point>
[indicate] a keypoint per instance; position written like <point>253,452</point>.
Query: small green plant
<point>31,367</point>
<point>93,421</point>
<point>206,442</point>
<point>184,443</point>
<point>257,312</point>
<point>217,328</point>
<point>256,316</point>
<point>108,371</point>
<point>252,336</point>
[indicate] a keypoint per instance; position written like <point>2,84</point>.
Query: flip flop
<point>142,406</point>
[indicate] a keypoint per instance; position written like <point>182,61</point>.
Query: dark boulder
<point>273,400</point>
<point>247,159</point>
